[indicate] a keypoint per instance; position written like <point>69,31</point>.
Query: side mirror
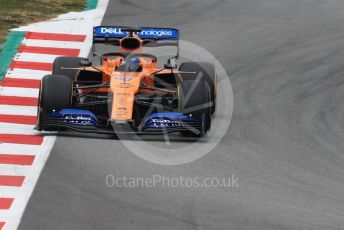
<point>171,64</point>
<point>86,63</point>
<point>168,66</point>
<point>96,54</point>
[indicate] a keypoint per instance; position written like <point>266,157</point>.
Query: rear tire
<point>208,75</point>
<point>67,62</point>
<point>195,100</point>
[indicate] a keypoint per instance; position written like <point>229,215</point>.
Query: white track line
<point>9,192</point>
<point>5,216</point>
<point>18,110</point>
<point>15,170</point>
<point>19,92</point>
<point>27,74</point>
<point>44,58</point>
<point>7,148</point>
<point>8,128</point>
<point>55,44</point>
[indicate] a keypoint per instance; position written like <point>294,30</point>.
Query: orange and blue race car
<point>127,92</point>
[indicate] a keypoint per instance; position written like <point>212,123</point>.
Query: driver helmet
<point>131,65</point>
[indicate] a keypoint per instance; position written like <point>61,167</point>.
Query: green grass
<point>15,13</point>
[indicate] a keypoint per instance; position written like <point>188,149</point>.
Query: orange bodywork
<point>124,85</point>
<point>123,92</point>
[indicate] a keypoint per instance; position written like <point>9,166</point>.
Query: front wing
<point>85,121</point>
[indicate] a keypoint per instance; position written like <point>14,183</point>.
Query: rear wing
<point>151,36</point>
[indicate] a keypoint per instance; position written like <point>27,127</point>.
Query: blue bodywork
<point>170,120</point>
<point>75,116</point>
<point>85,120</point>
<point>146,32</point>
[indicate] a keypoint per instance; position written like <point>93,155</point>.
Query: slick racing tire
<point>55,94</point>
<point>67,62</point>
<point>195,100</point>
<point>208,74</point>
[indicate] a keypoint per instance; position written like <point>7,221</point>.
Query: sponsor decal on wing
<point>146,32</point>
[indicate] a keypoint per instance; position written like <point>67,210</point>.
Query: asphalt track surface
<point>285,142</point>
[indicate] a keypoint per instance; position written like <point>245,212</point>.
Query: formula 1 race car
<point>127,92</point>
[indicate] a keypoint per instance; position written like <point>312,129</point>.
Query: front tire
<point>55,94</point>
<point>208,74</point>
<point>195,100</point>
